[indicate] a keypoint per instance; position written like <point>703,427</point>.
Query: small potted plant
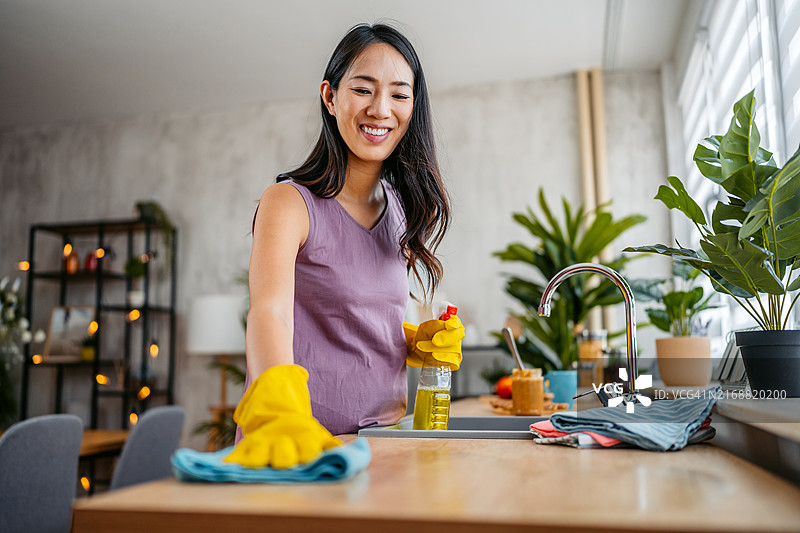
<point>685,357</point>
<point>750,249</point>
<point>134,270</point>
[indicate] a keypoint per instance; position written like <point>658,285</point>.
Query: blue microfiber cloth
<point>664,425</point>
<point>334,464</point>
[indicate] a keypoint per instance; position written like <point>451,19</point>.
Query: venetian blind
<point>787,16</point>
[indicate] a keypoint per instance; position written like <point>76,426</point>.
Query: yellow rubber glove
<point>440,339</point>
<point>275,417</point>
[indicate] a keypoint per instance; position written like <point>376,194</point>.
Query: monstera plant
<point>550,344</point>
<point>750,248</point>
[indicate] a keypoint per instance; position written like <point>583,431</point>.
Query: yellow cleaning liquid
<point>431,409</point>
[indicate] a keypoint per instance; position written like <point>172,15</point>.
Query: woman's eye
<point>361,91</point>
<point>401,97</point>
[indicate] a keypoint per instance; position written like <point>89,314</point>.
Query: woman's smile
<point>375,134</point>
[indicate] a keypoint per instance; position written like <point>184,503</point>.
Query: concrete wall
<point>498,144</point>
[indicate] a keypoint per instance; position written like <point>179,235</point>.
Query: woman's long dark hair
<point>412,169</point>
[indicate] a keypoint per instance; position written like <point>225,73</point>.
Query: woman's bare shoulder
<point>283,199</point>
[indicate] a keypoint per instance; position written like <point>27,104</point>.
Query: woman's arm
<point>280,229</point>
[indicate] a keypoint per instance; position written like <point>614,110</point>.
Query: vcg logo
<point>616,395</point>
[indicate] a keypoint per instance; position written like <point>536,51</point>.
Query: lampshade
<point>215,326</point>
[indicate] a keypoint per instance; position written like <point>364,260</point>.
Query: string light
<point>85,483</point>
<point>101,379</point>
<point>36,359</point>
<point>154,350</point>
<point>134,315</point>
<point>144,392</point>
<point>67,249</point>
<point>23,265</point>
<point>133,417</point>
<point>92,329</point>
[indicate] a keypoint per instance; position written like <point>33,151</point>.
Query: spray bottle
<point>432,405</point>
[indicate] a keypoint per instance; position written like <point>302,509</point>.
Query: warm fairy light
<point>67,249</point>
<point>154,350</point>
<point>23,265</point>
<point>133,418</point>
<point>85,483</point>
<point>36,359</point>
<point>101,379</point>
<point>134,315</point>
<point>144,392</point>
<point>99,253</point>
<point>92,329</point>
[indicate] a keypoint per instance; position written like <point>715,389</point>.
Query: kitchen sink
<point>462,427</point>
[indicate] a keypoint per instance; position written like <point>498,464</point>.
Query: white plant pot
<point>136,298</point>
<point>684,361</point>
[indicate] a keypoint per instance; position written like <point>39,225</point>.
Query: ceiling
<point>77,60</point>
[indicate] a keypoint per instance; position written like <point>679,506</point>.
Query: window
<point>739,46</point>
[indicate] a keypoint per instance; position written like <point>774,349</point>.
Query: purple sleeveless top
<point>351,289</point>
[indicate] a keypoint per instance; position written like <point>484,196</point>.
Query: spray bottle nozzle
<point>449,311</point>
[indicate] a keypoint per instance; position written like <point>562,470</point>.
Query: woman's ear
<point>326,91</point>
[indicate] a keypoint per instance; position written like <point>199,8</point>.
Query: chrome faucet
<point>630,310</point>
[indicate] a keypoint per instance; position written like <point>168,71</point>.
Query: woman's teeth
<point>375,131</point>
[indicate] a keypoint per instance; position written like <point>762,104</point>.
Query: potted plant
<point>685,357</point>
<point>750,249</point>
<point>154,214</point>
<point>134,270</point>
<point>550,344</point>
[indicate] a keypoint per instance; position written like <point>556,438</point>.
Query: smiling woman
<point>333,244</point>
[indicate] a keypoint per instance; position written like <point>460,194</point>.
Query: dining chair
<point>146,454</point>
<point>38,474</point>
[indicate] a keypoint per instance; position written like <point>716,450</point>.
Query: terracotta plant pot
<point>684,361</point>
<point>772,361</point>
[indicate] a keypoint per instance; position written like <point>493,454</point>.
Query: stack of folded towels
<point>664,425</point>
<point>334,464</point>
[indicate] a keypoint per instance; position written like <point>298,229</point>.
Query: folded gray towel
<point>663,425</point>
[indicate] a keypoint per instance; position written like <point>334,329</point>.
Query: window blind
<point>787,18</point>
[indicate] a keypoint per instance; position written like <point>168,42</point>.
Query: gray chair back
<point>39,474</point>
<point>146,454</point>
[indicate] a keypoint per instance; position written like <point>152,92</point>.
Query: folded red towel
<point>546,429</point>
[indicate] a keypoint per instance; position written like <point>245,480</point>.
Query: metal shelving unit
<point>140,240</point>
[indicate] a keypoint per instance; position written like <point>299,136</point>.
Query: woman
<point>333,243</point>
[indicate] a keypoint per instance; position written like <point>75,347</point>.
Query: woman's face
<point>373,103</point>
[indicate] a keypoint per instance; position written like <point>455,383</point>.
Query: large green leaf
<point>659,318</point>
<point>742,263</point>
<point>516,252</point>
<point>555,229</point>
<point>725,213</point>
<point>707,159</point>
<point>787,242</point>
<point>602,232</point>
<point>722,285</point>
<point>678,198</point>
<point>683,254</point>
<point>647,290</point>
<point>525,291</point>
<point>777,202</point>
<point>739,146</point>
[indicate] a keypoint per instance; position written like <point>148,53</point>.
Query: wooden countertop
<point>442,485</point>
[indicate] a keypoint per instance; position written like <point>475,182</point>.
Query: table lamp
<point>215,329</point>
